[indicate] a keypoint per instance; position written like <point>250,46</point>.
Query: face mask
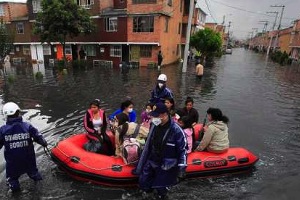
<point>130,110</point>
<point>160,85</point>
<point>156,121</point>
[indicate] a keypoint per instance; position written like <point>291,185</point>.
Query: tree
<point>6,41</point>
<point>208,42</point>
<point>61,19</point>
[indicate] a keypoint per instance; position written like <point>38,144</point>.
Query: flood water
<point>261,99</point>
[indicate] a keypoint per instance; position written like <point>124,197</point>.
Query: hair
<point>123,126</point>
<point>15,115</point>
<point>217,115</point>
<point>150,104</point>
<point>189,100</point>
<point>186,121</point>
<point>125,104</point>
<point>95,102</point>
<point>171,100</point>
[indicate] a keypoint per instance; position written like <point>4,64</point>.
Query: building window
<point>179,28</point>
<point>2,13</point>
<point>20,28</point>
<point>146,51</point>
<point>170,2</point>
<point>47,50</point>
<point>143,24</point>
<point>26,50</point>
<point>166,24</point>
<point>90,50</point>
<point>143,1</point>
<point>36,6</point>
<point>183,30</point>
<point>68,49</point>
<point>87,4</point>
<point>111,24</point>
<point>115,51</point>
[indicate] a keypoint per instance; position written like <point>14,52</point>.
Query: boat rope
<point>76,159</point>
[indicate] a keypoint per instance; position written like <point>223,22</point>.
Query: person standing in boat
<point>189,111</point>
<point>17,138</point>
<point>127,108</point>
<point>160,92</point>
<point>164,158</point>
<point>215,137</point>
<point>95,124</point>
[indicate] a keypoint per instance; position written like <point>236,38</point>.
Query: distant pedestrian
<point>82,54</point>
<point>159,59</point>
<point>199,70</point>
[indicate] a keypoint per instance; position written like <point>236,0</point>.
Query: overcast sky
<point>246,14</point>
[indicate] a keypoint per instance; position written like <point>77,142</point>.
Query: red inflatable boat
<point>70,156</point>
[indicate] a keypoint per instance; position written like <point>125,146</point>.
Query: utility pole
<point>229,23</point>
<point>188,35</point>
<point>279,25</point>
<point>271,40</point>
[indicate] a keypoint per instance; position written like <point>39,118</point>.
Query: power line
<point>249,11</point>
<point>210,11</point>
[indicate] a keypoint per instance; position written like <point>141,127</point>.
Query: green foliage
<point>207,41</point>
<point>61,19</point>
<point>281,58</point>
<point>39,75</point>
<point>6,40</point>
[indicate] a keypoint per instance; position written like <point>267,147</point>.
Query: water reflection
<point>261,99</point>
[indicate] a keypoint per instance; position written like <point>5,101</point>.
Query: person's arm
<point>88,124</point>
<point>1,139</point>
<point>37,137</point>
<point>132,116</point>
<point>152,98</point>
<point>206,139</point>
<point>104,125</point>
<point>181,144</point>
<point>111,117</point>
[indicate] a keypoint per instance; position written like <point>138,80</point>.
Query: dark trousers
<point>146,179</point>
<point>14,184</point>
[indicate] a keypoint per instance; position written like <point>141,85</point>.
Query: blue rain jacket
<point>17,138</point>
<point>159,95</point>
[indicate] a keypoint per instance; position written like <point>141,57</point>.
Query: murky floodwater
<point>261,99</point>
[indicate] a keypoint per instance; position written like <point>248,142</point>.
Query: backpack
<point>131,148</point>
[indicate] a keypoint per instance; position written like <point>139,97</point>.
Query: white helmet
<point>162,77</point>
<point>10,108</point>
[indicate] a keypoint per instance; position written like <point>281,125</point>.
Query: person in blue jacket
<point>164,158</point>
<point>160,92</point>
<point>17,138</point>
<point>127,108</point>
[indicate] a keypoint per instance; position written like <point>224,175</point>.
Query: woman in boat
<point>190,111</point>
<point>127,108</point>
<point>170,103</point>
<point>95,124</point>
<point>124,129</point>
<point>215,137</point>
<point>145,116</point>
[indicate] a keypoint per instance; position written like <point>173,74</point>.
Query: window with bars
<point>179,28</point>
<point>36,6</point>
<point>143,24</point>
<point>90,50</point>
<point>146,51</point>
<point>111,24</point>
<point>26,50</point>
<point>68,49</point>
<point>143,1</point>
<point>20,28</point>
<point>2,12</point>
<point>115,51</point>
<point>85,3</point>
<point>47,50</point>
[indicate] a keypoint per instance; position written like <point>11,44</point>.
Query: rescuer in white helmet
<point>17,138</point>
<point>160,92</point>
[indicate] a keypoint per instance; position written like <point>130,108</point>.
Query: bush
<point>39,75</point>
